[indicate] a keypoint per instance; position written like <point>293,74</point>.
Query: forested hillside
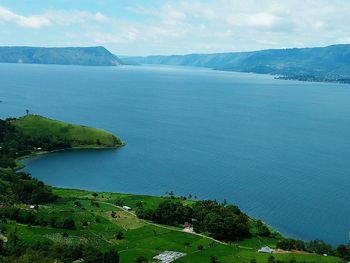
<point>330,63</point>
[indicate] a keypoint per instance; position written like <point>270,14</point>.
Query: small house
<point>265,250</point>
<point>127,208</point>
<point>186,225</point>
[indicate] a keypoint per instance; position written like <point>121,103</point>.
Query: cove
<point>278,149</point>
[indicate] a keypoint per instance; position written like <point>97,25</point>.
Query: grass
<point>141,238</point>
<point>79,136</point>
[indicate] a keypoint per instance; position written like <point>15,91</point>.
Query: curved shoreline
<point>20,165</point>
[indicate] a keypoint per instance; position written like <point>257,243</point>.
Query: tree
<point>111,256</point>
<point>172,213</point>
<point>343,252</point>
<point>200,247</point>
<point>227,227</point>
<point>224,202</point>
<point>214,259</point>
<point>319,247</point>
<point>147,214</point>
<point>139,204</point>
<point>1,246</point>
<point>77,204</point>
<point>93,203</point>
<point>119,235</point>
<point>27,112</point>
<point>141,259</point>
<point>119,202</point>
<point>271,259</point>
<point>92,255</point>
<point>262,229</point>
<point>68,223</point>
<point>95,195</point>
<point>291,244</point>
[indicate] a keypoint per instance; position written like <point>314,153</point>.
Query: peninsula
<point>85,56</point>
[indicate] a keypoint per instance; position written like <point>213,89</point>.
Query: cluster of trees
<point>316,78</point>
<point>42,252</point>
<point>31,217</point>
<point>14,144</point>
<point>11,144</point>
<point>343,251</point>
<point>262,229</point>
<point>223,222</point>
<point>47,143</point>
<point>18,187</point>
<point>315,246</point>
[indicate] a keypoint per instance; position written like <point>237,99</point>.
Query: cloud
<point>35,21</point>
<point>66,18</point>
<point>51,17</point>
<point>258,21</point>
<point>165,27</point>
<point>222,26</point>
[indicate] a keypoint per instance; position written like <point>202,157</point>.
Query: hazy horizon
<point>173,54</point>
<point>138,28</point>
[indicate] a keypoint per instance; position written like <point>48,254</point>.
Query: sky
<point>148,27</point>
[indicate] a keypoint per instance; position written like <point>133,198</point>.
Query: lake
<point>279,149</point>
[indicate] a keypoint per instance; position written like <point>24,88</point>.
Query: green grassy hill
<point>38,127</point>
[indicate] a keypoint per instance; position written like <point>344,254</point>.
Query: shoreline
<point>43,153</point>
<point>20,165</point>
<point>272,75</point>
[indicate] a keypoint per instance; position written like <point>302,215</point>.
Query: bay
<point>278,149</point>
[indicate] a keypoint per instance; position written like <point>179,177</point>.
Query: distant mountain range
<point>87,56</point>
<point>330,63</point>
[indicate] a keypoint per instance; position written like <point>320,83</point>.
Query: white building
<point>127,208</point>
<point>168,256</point>
<point>265,250</point>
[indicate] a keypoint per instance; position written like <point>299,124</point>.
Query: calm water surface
<point>279,149</point>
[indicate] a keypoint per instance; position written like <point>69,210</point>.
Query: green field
<point>141,238</point>
<point>38,127</point>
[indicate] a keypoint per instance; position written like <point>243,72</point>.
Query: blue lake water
<point>279,149</point>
